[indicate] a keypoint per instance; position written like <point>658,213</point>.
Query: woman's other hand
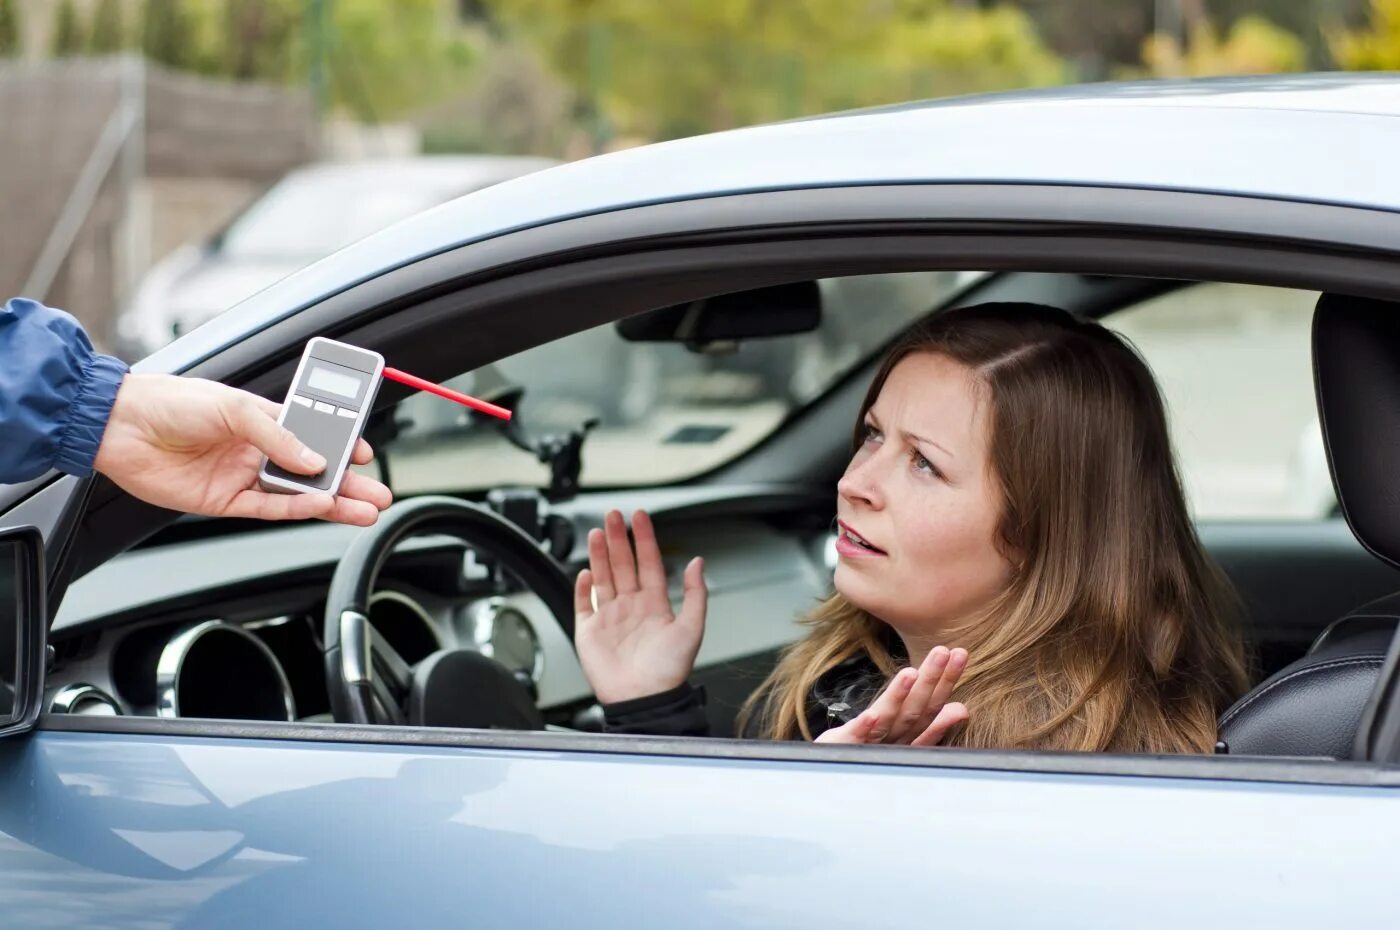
<point>914,708</point>
<point>629,641</point>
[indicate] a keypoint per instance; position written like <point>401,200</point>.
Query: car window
<point>665,413</point>
<point>1234,364</point>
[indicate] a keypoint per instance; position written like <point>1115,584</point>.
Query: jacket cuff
<point>677,712</point>
<point>88,415</point>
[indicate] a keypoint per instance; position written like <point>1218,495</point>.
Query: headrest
<point>1356,370</point>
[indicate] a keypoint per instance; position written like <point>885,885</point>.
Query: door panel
<point>122,830</point>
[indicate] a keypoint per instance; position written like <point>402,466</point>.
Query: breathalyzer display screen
<point>335,382</point>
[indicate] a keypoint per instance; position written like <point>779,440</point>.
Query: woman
<point>1012,492</point>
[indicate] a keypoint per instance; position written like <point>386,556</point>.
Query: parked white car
<point>307,215</point>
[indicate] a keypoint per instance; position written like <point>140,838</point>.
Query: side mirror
<point>23,628</point>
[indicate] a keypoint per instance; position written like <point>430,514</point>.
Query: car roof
<point>1324,138</point>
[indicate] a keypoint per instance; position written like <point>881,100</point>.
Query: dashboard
<point>231,626</point>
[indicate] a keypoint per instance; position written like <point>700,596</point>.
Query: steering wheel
<point>369,682</point>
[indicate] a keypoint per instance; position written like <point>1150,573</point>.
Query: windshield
<point>665,413</point>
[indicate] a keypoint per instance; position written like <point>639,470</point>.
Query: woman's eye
<point>924,465</point>
<point>871,434</point>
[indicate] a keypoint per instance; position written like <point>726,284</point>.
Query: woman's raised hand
<point>914,708</point>
<point>629,641</point>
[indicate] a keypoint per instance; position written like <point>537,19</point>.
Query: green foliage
<point>261,40</point>
<point>1310,20</point>
<point>514,106</point>
<point>68,32</point>
<point>660,70</point>
<point>1253,45</point>
<point>167,33</point>
<point>9,29</point>
<point>1376,47</point>
<point>381,60</point>
<point>108,29</point>
<point>391,59</point>
<point>1096,36</point>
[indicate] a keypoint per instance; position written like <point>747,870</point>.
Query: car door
<point>234,823</point>
<point>319,827</point>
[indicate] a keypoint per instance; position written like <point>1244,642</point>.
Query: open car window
<point>665,413</point>
<point>1234,364</point>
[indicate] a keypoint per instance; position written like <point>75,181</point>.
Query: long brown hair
<point>1117,632</point>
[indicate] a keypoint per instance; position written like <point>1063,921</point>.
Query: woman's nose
<point>861,483</point>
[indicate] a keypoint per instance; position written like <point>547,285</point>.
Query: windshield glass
<point>665,413</point>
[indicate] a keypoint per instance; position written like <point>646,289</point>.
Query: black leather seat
<point>1314,706</point>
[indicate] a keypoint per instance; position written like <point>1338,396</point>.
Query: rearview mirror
<point>781,310</point>
<point>23,623</point>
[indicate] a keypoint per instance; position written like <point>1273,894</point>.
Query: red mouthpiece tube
<point>403,377</point>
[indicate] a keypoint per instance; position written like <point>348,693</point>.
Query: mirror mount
<point>562,452</point>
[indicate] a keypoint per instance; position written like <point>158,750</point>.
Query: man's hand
<point>632,645</point>
<point>195,446</point>
<point>914,709</point>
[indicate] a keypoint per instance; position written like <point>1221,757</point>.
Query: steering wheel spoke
<point>374,671</point>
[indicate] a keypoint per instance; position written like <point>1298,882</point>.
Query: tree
<point>262,39</point>
<point>385,60</point>
<point>388,60</point>
<point>660,70</point>
<point>9,29</point>
<point>1253,45</point>
<point>108,29</point>
<point>167,35</point>
<point>1374,48</point>
<point>1310,20</point>
<point>1096,36</point>
<point>68,32</point>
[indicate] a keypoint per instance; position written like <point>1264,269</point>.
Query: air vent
<point>74,648</point>
<point>85,701</point>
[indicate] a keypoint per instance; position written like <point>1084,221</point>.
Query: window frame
<point>749,240</point>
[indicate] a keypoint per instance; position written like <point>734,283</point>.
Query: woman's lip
<point>852,530</point>
<point>847,549</point>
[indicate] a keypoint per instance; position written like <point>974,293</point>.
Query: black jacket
<point>838,696</point>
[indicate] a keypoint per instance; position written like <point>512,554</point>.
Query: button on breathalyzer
<point>326,408</point>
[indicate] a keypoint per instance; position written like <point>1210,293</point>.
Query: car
<point>308,214</point>
<point>219,734</point>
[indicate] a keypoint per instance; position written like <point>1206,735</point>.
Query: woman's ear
<point>1013,554</point>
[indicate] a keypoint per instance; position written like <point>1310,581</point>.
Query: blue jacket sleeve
<point>56,392</point>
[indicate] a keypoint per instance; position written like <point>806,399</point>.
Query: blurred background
<point>164,159</point>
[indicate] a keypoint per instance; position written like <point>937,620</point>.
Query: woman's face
<point>920,492</point>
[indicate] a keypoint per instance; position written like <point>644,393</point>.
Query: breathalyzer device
<point>326,408</point>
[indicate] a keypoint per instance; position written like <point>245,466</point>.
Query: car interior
<point>729,419</point>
